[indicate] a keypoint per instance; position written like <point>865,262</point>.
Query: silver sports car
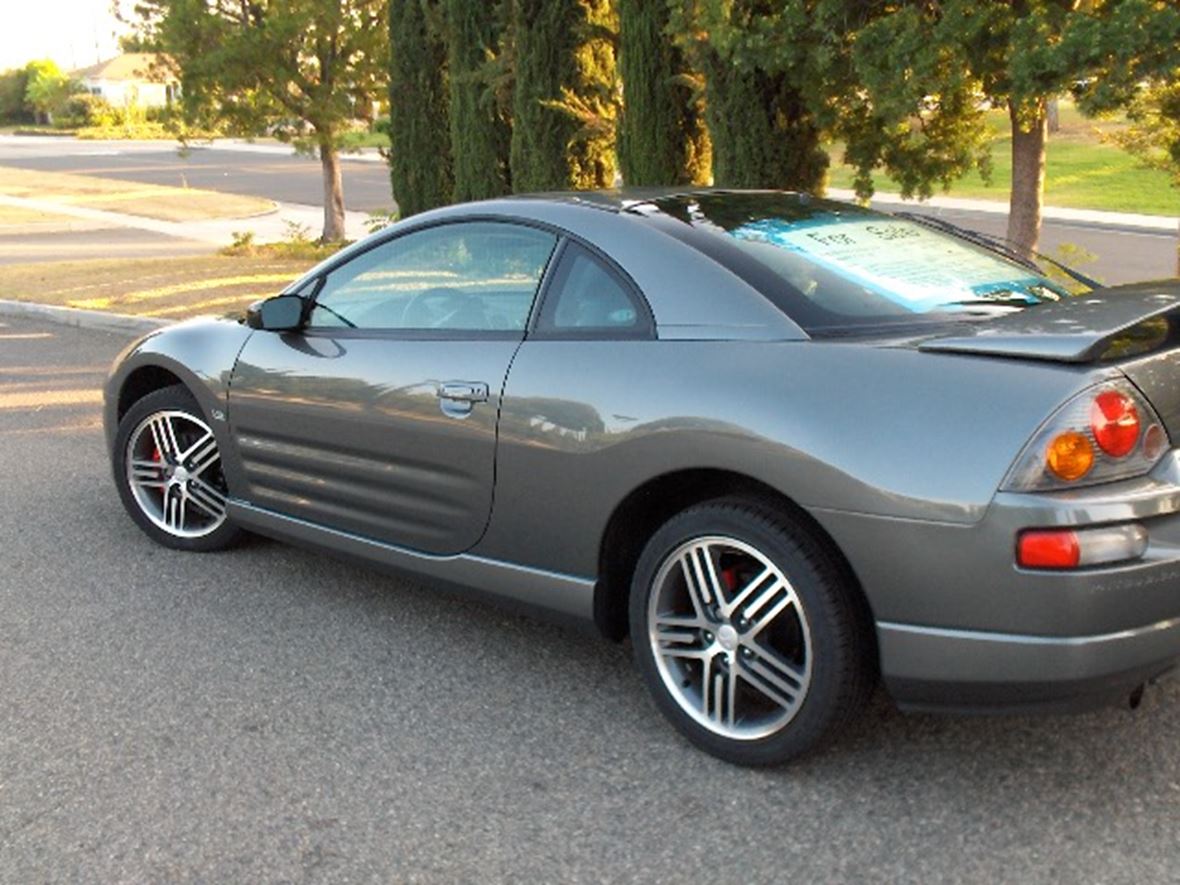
<point>791,447</point>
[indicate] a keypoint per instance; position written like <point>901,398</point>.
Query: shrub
<point>84,109</point>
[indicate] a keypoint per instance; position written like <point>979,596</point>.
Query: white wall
<point>123,93</point>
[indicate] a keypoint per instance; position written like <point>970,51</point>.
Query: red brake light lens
<point>1115,423</point>
<point>1048,549</point>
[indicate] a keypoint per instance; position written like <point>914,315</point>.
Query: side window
<point>589,299</point>
<point>466,276</point>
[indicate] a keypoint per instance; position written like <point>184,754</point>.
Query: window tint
<point>470,276</point>
<point>588,297</point>
<point>834,267</point>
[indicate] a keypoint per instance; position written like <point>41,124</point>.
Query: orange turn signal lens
<point>1070,455</point>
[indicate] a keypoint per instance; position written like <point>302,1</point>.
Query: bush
<point>85,109</point>
<point>147,131</point>
<point>13,84</point>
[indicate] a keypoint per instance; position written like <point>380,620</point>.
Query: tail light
<point>1104,433</point>
<point>1077,548</point>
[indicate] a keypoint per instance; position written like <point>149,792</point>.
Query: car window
<point>834,267</point>
<point>588,297</point>
<point>468,276</point>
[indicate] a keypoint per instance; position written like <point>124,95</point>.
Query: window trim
<point>319,281</point>
<point>644,330</point>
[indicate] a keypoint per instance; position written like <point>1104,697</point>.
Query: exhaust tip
<point>1137,697</point>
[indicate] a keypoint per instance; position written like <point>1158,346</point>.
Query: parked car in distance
<point>791,447</point>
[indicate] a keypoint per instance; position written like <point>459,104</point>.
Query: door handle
<point>463,391</point>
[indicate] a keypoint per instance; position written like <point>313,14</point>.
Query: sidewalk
<point>217,232</point>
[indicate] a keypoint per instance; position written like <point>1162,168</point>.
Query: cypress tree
<point>763,133</point>
<point>419,133</point>
<point>480,131</point>
<point>662,134</point>
<point>563,97</point>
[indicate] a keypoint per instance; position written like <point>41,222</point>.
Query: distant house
<point>134,78</point>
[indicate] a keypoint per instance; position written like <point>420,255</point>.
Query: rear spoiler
<point>1080,329</point>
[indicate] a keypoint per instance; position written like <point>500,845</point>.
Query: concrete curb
<point>85,319</point>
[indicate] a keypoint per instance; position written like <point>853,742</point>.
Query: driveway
<point>270,715</point>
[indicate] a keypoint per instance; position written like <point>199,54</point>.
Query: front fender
<point>200,353</point>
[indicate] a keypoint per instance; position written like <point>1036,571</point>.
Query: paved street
<point>272,715</point>
<point>1121,256</point>
<point>282,177</point>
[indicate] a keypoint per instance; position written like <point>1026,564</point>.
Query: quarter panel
<point>842,426</point>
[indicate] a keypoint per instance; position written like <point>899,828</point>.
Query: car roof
<point>691,295</point>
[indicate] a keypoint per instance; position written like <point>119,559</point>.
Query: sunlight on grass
<point>1082,171</point>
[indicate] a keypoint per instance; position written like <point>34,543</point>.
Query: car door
<point>378,418</point>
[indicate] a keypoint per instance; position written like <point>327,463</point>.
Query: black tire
<point>827,632</point>
<point>213,534</point>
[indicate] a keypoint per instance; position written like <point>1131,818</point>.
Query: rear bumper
<point>966,671</point>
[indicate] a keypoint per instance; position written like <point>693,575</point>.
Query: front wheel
<point>748,633</point>
<point>167,467</point>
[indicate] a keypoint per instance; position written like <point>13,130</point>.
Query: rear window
<point>832,266</point>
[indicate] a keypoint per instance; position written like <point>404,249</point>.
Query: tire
<point>749,634</point>
<point>167,468</point>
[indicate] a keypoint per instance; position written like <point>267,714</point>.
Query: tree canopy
<point>480,123</point>
<point>662,136</point>
<point>298,68</point>
<point>564,98</point>
<point>419,134</point>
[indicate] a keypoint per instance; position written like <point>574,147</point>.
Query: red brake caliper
<point>157,458</point>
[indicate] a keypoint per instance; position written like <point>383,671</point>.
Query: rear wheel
<point>748,633</point>
<point>167,467</point>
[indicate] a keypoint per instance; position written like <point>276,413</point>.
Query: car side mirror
<point>279,314</point>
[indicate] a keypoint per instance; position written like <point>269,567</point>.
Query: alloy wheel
<point>730,637</point>
<point>173,469</point>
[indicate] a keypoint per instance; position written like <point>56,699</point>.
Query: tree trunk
<point>333,193</point>
<point>1028,180</point>
<point>1053,115</point>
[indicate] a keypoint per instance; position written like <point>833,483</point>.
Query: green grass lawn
<point>1081,171</point>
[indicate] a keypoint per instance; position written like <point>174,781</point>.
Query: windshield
<point>832,266</point>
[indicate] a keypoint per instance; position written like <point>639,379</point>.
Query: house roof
<point>128,66</point>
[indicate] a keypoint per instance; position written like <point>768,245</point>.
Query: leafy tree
<point>785,76</point>
<point>48,89</point>
<point>564,95</point>
<point>292,67</point>
<point>419,136</point>
<point>1023,53</point>
<point>1134,54</point>
<point>481,128</point>
<point>1154,132</point>
<point>662,134</point>
<point>14,83</point>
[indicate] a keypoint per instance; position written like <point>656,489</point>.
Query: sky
<point>74,33</point>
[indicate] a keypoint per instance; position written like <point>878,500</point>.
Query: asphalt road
<point>269,714</point>
<point>283,177</point>
<point>1120,256</point>
<point>82,240</point>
